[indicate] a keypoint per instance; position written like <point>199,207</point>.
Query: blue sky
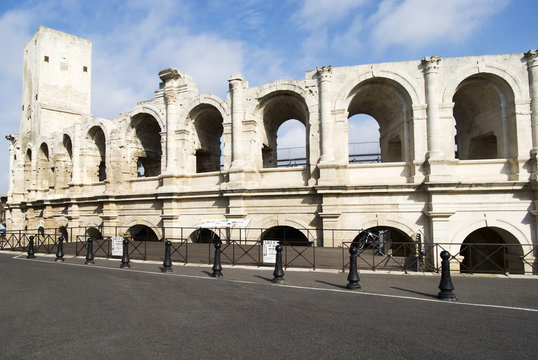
<point>265,40</point>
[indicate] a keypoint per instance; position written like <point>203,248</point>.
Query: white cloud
<point>316,13</point>
<point>416,23</point>
<point>318,17</point>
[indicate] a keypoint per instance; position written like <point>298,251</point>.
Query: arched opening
<point>28,170</point>
<point>279,108</point>
<point>286,235</point>
<point>41,231</point>
<point>363,140</point>
<point>146,146</point>
<point>95,157</point>
<point>491,250</point>
<point>203,236</point>
<point>64,233</point>
<point>388,103</point>
<point>94,233</point>
<point>208,141</point>
<point>45,173</point>
<point>64,162</point>
<point>291,147</point>
<point>385,240</point>
<point>142,233</point>
<point>484,113</point>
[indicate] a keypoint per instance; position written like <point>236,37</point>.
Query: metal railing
<point>246,249</point>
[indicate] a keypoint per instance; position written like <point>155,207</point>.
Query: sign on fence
<point>117,246</point>
<point>269,251</point>
<point>223,223</point>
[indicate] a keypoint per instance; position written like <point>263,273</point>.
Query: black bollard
<point>60,250</point>
<point>125,258</point>
<point>167,264</point>
<point>89,252</point>
<point>445,285</point>
<point>353,277</point>
<point>31,252</point>
<point>217,267</point>
<point>278,273</point>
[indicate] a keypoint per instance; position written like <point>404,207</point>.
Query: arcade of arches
<point>452,146</point>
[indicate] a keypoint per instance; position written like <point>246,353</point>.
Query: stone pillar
<point>324,75</point>
<point>237,85</point>
<point>170,77</point>
<point>532,64</point>
<point>75,161</point>
<point>13,166</point>
<point>431,74</point>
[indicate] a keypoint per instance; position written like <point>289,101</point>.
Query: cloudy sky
<point>265,40</point>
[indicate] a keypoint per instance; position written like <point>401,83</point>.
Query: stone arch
<point>45,170</point>
<point>131,222</point>
<point>391,106</point>
<point>203,235</point>
<point>480,222</point>
<point>457,78</point>
<point>150,110</point>
<point>28,169</point>
<point>341,101</point>
<point>274,221</point>
<point>396,222</point>
<point>145,145</point>
<point>63,161</point>
<point>210,100</point>
<point>94,154</point>
<point>275,108</point>
<point>485,117</point>
<point>490,246</point>
<point>93,232</point>
<point>285,234</point>
<point>207,123</point>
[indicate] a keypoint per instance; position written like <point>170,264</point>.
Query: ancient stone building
<point>458,142</point>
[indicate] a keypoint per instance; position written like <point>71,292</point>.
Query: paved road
<point>70,310</point>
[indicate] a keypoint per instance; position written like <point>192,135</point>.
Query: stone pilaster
<point>324,75</point>
<point>236,86</point>
<point>170,77</point>
<point>532,65</point>
<point>431,74</point>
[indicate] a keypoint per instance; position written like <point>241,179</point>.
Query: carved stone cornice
<point>531,56</point>
<point>169,74</point>
<point>430,64</point>
<point>170,97</point>
<point>236,81</point>
<point>324,73</point>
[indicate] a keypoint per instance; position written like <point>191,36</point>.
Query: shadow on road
<point>331,284</point>
<point>415,292</point>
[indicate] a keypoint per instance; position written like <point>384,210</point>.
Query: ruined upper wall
<point>56,81</point>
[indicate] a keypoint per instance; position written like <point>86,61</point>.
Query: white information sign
<point>117,246</point>
<point>223,223</point>
<point>269,251</point>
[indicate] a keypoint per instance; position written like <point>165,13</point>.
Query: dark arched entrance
<point>94,233</point>
<point>286,235</point>
<point>384,240</point>
<point>491,250</point>
<point>142,233</point>
<point>204,236</point>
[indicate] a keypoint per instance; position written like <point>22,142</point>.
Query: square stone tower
<point>56,82</point>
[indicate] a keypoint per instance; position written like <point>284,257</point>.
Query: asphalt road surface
<point>69,310</point>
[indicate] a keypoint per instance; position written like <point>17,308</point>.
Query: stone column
<point>532,64</point>
<point>431,73</point>
<point>170,76</point>
<point>13,166</point>
<point>237,85</point>
<point>324,75</point>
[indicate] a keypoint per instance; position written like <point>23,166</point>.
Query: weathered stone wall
<point>88,172</point>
